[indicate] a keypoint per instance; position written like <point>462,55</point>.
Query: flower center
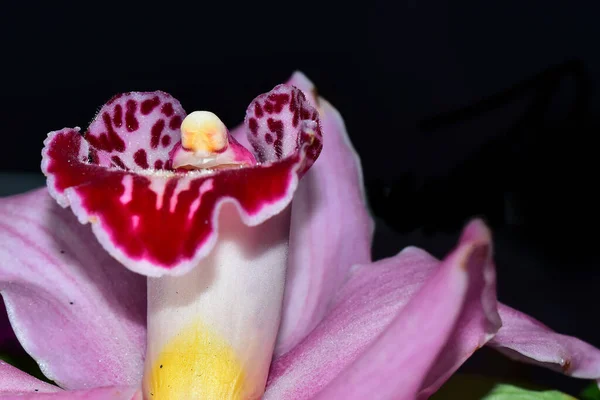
<point>206,143</point>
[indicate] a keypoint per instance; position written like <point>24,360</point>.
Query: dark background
<point>482,108</point>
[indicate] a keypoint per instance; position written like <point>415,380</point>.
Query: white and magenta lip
<point>158,220</point>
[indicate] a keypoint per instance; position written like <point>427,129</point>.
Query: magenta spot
<point>110,141</point>
<point>268,107</point>
<point>156,131</point>
<point>117,161</point>
<point>268,138</point>
<point>166,140</point>
<point>276,126</point>
<point>158,164</point>
<point>167,109</point>
<point>175,122</point>
<point>140,158</point>
<point>149,105</point>
<point>294,110</point>
<point>258,110</point>
<point>118,116</point>
<point>130,120</point>
<point>304,113</point>
<point>280,99</point>
<point>253,125</point>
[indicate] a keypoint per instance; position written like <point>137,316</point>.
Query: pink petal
<point>15,381</point>
<point>373,300</point>
<point>165,223</point>
<point>479,320</point>
<point>105,393</point>
<point>136,130</point>
<point>395,365</point>
<point>525,339</point>
<point>74,309</point>
<point>331,228</point>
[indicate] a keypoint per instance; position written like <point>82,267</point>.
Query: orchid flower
<point>201,278</point>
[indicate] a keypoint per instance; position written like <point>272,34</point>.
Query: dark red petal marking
<point>253,125</point>
<point>287,122</point>
<point>175,122</point>
<point>156,131</point>
<point>167,109</point>
<point>118,116</point>
<point>108,140</point>
<point>158,164</point>
<point>258,110</point>
<point>118,162</point>
<point>149,104</point>
<point>129,123</point>
<point>140,158</point>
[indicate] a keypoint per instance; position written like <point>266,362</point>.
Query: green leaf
<point>485,387</point>
<point>474,387</point>
<point>509,392</point>
<point>591,392</point>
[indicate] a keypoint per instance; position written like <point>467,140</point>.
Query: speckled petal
<point>136,130</point>
<point>523,338</point>
<point>165,222</point>
<point>331,227</point>
<point>74,309</point>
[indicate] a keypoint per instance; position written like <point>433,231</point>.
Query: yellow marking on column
<point>195,364</point>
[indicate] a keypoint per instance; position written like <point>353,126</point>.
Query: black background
<point>457,110</point>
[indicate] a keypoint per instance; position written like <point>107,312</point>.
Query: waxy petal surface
<point>523,338</point>
<point>366,305</point>
<point>136,130</point>
<point>331,227</point>
<point>15,381</point>
<point>165,222</point>
<point>74,309</point>
<point>281,121</point>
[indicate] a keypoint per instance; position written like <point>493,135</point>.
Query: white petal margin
<point>211,332</point>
